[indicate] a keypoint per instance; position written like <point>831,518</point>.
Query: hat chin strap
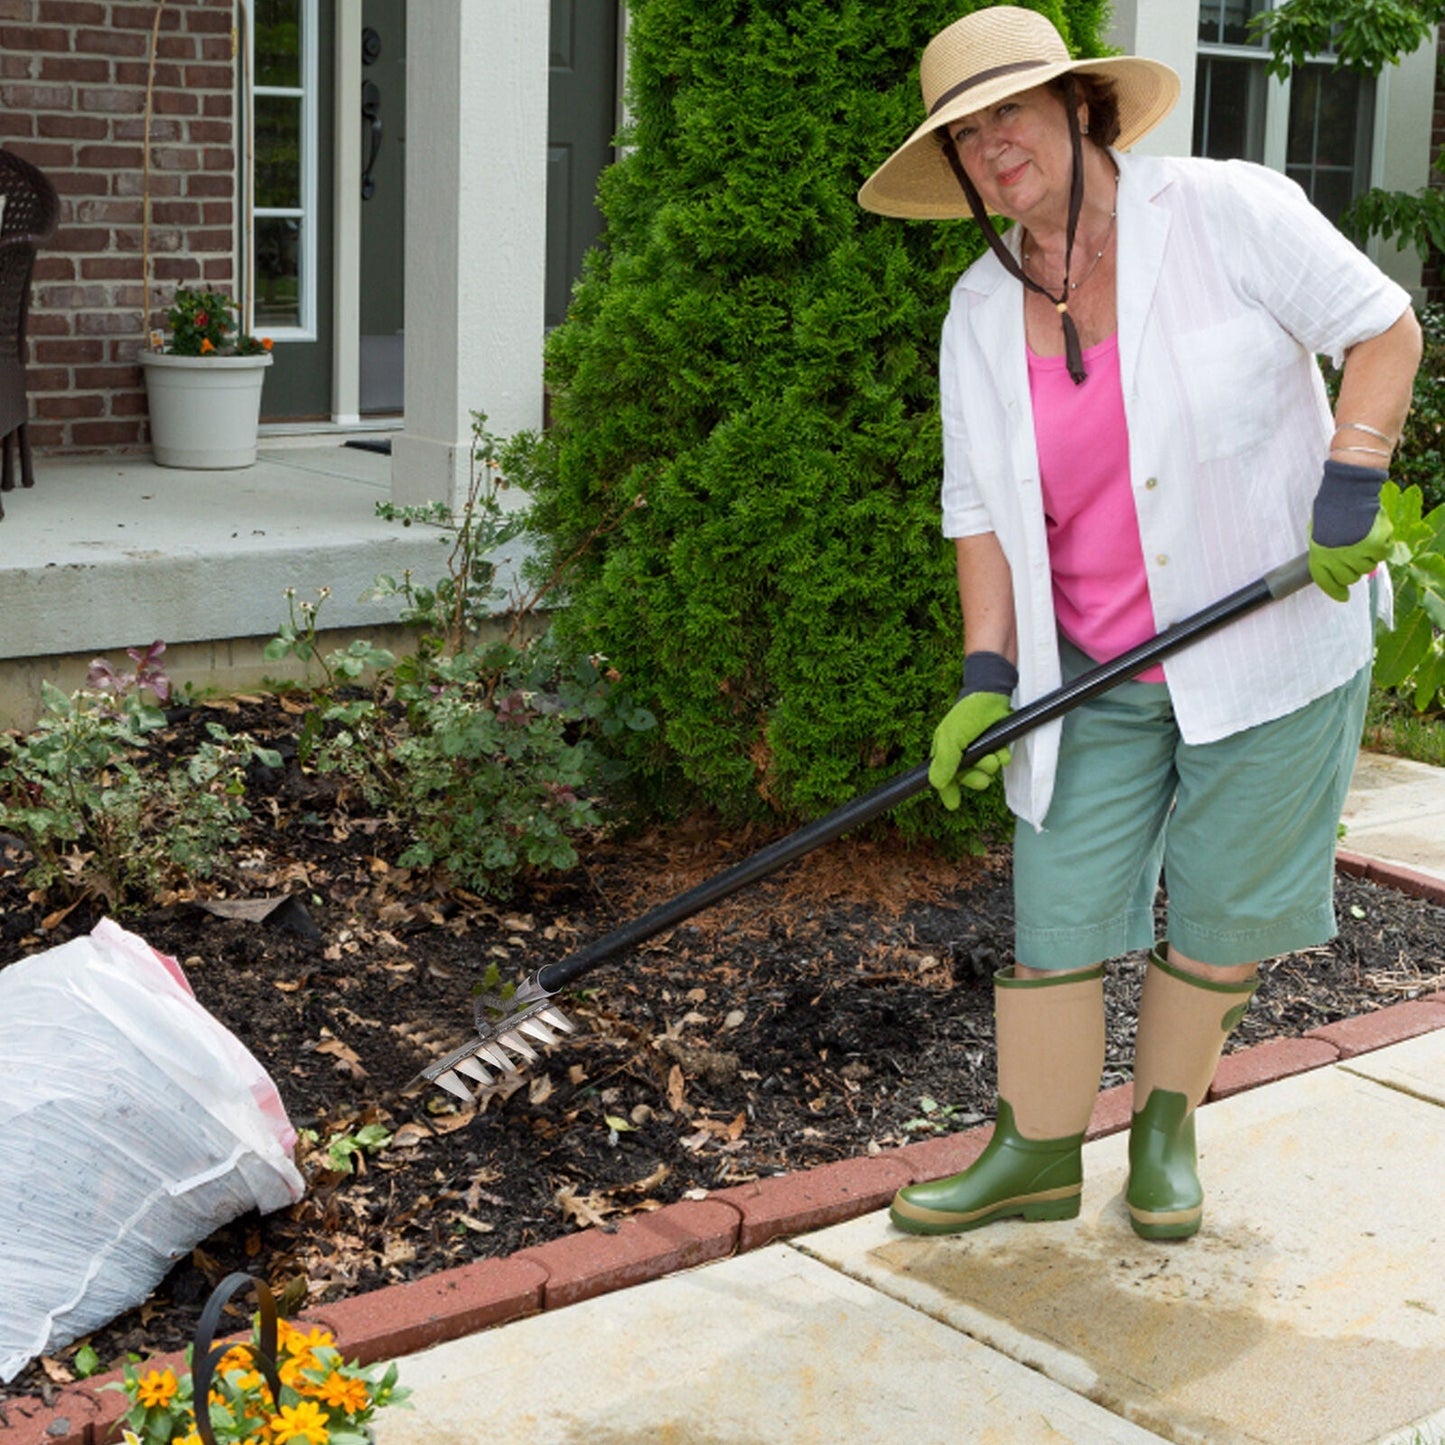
<point>1073,352</point>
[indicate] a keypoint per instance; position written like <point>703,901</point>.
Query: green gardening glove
<point>1350,534</point>
<point>988,679</point>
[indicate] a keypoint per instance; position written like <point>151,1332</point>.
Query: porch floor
<point>105,553</point>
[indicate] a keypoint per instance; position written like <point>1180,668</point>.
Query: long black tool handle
<point>1290,577</point>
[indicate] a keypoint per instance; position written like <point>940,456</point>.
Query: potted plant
<point>203,385</point>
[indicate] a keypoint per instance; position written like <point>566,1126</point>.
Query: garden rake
<point>507,1027</point>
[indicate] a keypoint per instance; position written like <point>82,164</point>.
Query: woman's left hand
<point>1349,534</point>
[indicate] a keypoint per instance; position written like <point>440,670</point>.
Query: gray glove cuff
<point>989,672</point>
<point>1346,503</point>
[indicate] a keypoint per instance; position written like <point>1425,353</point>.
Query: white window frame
<point>307,212</point>
<point>1275,137</point>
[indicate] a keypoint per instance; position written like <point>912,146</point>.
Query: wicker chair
<point>28,219</point>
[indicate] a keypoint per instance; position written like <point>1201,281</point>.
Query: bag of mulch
<point>132,1125</point>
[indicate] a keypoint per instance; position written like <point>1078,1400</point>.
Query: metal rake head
<point>504,1027</point>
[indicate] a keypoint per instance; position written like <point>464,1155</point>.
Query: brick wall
<point>72,101</point>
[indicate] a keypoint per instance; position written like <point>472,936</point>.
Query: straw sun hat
<point>979,61</point>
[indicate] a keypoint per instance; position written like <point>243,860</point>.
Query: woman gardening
<point>1134,425</point>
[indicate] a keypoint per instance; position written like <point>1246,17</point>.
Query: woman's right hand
<point>988,679</point>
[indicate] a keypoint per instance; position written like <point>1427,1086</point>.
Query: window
<point>283,168</point>
<point>1317,127</point>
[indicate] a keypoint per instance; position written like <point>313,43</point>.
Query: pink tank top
<point>1101,591</point>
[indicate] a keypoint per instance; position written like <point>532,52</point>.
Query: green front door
<point>291,203</point>
<point>581,118</point>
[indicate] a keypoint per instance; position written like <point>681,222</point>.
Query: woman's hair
<point>1098,94</point>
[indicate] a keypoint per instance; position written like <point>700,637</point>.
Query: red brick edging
<point>401,1319</point>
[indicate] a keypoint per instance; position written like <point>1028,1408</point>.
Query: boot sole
<point>1031,1209</point>
<point>1162,1224</point>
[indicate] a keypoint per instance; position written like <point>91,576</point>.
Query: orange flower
<point>304,1420</point>
<point>266,342</point>
<point>156,1387</point>
<point>343,1392</point>
<point>207,345</point>
<point>292,1370</point>
<point>238,1357</point>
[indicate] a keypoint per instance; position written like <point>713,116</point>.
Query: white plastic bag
<point>132,1125</point>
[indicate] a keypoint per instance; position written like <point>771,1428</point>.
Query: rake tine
<point>474,1069</point>
<point>537,1030</point>
<point>452,1083</point>
<point>498,1056</point>
<point>518,1045</point>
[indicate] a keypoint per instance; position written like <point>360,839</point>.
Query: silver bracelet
<point>1373,451</point>
<point>1369,430</point>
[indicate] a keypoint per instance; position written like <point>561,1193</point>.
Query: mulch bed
<point>842,1008</point>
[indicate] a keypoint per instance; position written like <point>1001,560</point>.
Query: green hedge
<point>754,358</point>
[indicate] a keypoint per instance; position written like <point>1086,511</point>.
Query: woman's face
<point>1018,154</point>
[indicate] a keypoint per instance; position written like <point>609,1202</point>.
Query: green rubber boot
<point>1183,1023</point>
<point>1050,1056</point>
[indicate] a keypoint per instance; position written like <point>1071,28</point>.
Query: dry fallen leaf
<point>450,1123</point>
<point>540,1090</point>
<point>587,1212</point>
<point>347,1059</point>
<point>676,1087</point>
<point>645,1186</point>
<point>55,1371</point>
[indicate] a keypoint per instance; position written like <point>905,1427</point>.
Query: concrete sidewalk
<point>1311,1307</point>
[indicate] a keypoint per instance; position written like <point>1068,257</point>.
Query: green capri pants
<point>1243,831</point>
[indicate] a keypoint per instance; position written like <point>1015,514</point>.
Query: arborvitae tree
<point>745,407</point>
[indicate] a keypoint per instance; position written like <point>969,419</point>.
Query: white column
<point>476,218</point>
<point>346,277</point>
<point>1169,33</point>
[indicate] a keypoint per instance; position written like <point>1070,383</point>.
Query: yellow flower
<point>129,1437</point>
<point>344,1392</point>
<point>315,1338</point>
<point>156,1387</point>
<point>304,1420</point>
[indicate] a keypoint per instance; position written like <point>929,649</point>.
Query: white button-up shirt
<point>1230,283</point>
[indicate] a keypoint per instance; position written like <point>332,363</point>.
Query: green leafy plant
<point>324,1397</point>
<point>203,323</point>
<point>483,756</point>
<point>1365,34</point>
<point>936,1118</point>
<point>453,612</point>
<point>1410,658</point>
<point>340,1148</point>
<point>99,816</point>
<point>484,748</point>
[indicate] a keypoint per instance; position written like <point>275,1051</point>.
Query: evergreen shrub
<point>745,404</point>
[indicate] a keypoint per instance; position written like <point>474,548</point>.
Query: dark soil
<point>842,1008</point>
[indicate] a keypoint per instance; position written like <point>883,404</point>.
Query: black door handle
<point>371,113</point>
